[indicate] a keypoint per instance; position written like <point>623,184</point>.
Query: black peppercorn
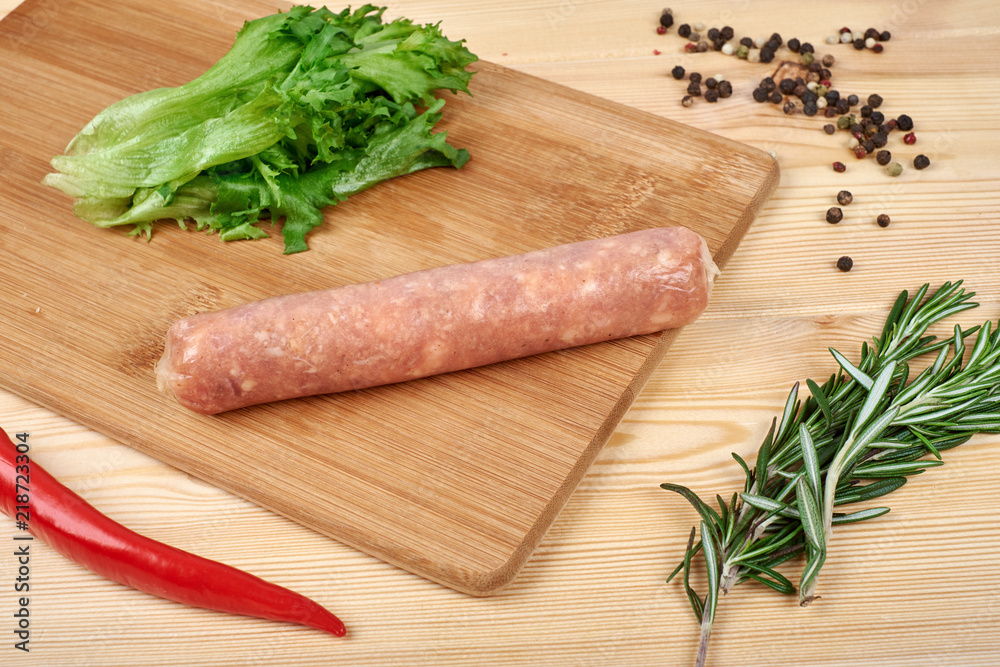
<point>865,111</point>
<point>712,95</point>
<point>687,101</point>
<point>694,77</point>
<point>882,220</point>
<point>832,96</point>
<point>786,86</point>
<point>883,157</point>
<point>806,47</point>
<point>843,106</point>
<point>718,43</point>
<point>766,54</point>
<point>921,162</point>
<point>829,128</point>
<point>776,97</point>
<point>809,96</point>
<point>880,139</point>
<point>877,117</point>
<point>857,130</point>
<point>885,36</point>
<point>759,95</point>
<point>677,72</point>
<point>868,145</point>
<point>713,34</point>
<point>828,60</point>
<point>871,129</point>
<point>853,100</point>
<point>666,19</point>
<point>694,89</point>
<point>725,88</point>
<point>789,108</point>
<point>747,42</point>
<point>844,197</point>
<point>794,44</point>
<point>767,83</point>
<point>799,90</point>
<point>874,101</point>
<point>834,215</point>
<point>727,33</point>
<point>905,123</point>
<point>775,37</point>
<point>710,82</point>
<point>845,263</point>
<point>810,108</point>
<point>829,112</point>
<point>684,30</point>
<point>871,33</point>
<point>859,44</point>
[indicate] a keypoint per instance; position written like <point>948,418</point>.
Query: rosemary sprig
<point>858,436</point>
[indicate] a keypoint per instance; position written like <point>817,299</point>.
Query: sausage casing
<point>437,320</point>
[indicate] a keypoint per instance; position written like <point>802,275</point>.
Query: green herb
<point>859,436</point>
<point>307,108</point>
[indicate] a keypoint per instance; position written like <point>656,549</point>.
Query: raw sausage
<point>437,320</point>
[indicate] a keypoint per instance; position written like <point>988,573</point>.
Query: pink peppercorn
<point>839,167</point>
<point>909,138</point>
<point>661,30</point>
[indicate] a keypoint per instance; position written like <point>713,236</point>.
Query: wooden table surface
<point>919,586</point>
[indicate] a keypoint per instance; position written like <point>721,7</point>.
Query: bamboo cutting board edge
<point>647,350</point>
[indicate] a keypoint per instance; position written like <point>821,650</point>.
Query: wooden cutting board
<point>455,478</point>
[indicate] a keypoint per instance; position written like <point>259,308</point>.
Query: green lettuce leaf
<point>307,108</point>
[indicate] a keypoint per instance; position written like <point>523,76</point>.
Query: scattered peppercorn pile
<point>804,86</point>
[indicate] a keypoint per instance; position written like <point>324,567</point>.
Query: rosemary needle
<point>858,436</point>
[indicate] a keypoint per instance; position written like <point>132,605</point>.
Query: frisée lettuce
<point>307,107</point>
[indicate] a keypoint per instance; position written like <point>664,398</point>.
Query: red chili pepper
<point>81,533</point>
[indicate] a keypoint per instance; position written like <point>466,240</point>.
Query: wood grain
<point>455,477</point>
<point>918,587</point>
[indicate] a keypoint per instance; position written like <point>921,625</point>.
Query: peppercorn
<point>666,20</point>
<point>690,47</point>
<point>718,44</point>
<point>857,130</point>
<point>725,89</point>
<point>810,109</point>
<point>759,95</point>
<point>909,138</point>
<point>806,47</point>
<point>786,86</point>
<point>684,30</point>
<point>868,145</point>
<point>799,90</point>
<point>807,58</point>
<point>747,42</point>
<point>712,95</point>
<point>859,44</point>
<point>885,36</point>
<point>880,139</point>
<point>877,117</point>
<point>894,169</point>
<point>844,122</point>
<point>775,37</point>
<point>871,33</point>
<point>871,129</point>
<point>874,101</point>
<point>882,220</point>
<point>846,36</point>
<point>829,128</point>
<point>789,108</point>
<point>775,97</point>
<point>694,77</point>
<point>742,52</point>
<point>878,48</point>
<point>677,72</point>
<point>808,97</point>
<point>883,157</point>
<point>832,96</point>
<point>694,89</point>
<point>828,60</point>
<point>687,101</point>
<point>794,44</point>
<point>839,167</point>
<point>711,82</point>
<point>713,34</point>
<point>694,37</point>
<point>853,100</point>
<point>860,152</point>
<point>843,106</point>
<point>870,42</point>
<point>921,162</point>
<point>844,197</point>
<point>904,122</point>
<point>727,33</point>
<point>834,215</point>
<point>829,112</point>
<point>866,111</point>
<point>845,263</point>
